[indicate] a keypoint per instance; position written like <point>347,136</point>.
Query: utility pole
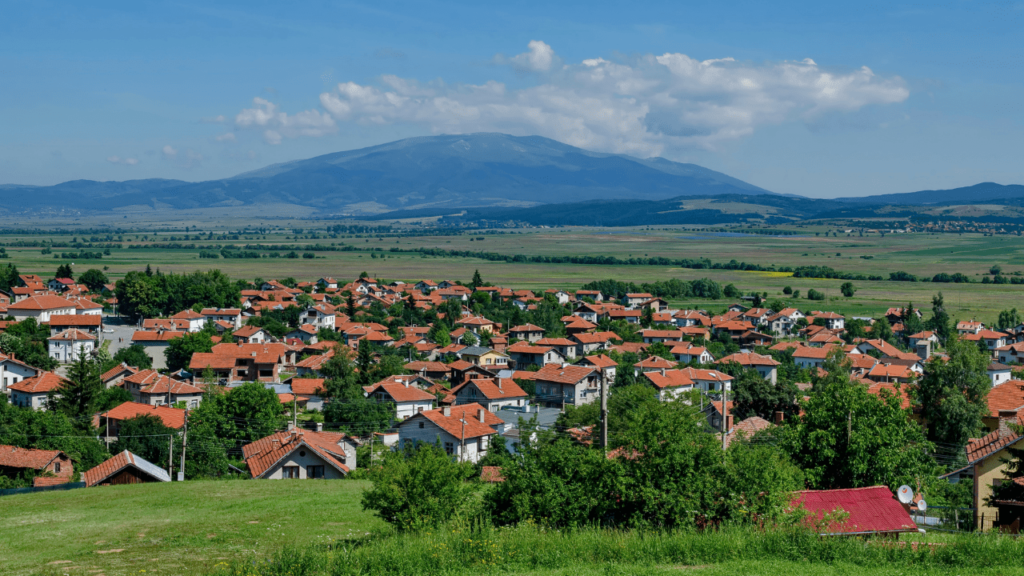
<point>604,414</point>
<point>725,397</point>
<point>170,455</point>
<point>462,449</point>
<point>184,444</point>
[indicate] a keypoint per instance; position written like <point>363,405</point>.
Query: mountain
<point>979,193</point>
<point>455,171</point>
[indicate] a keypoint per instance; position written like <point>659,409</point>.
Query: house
<point>561,296</point>
<point>687,352</point>
<point>868,511</point>
<point>15,461</point>
<point>993,340</point>
<point>1011,353</point>
<point>632,300</point>
<point>486,357</point>
<point>251,335</point>
<point>327,283</point>
<point>155,344</point>
<point>766,366</point>
<point>686,318</point>
<point>879,346</point>
<point>493,394</point>
<point>557,385</point>
<point>592,342</point>
<point>230,315</point>
<point>830,320</point>
<point>925,336</point>
<point>594,295</point>
<point>746,429</point>
<point>987,459</point>
<point>524,355</point>
<point>300,454</point>
<point>92,325</point>
<point>969,327</point>
<point>244,362</point>
<point>190,320</point>
<point>308,392</point>
<point>125,468</point>
<point>672,383</point>
<point>151,387</point>
<point>999,373</point>
<point>86,307</point>
<point>109,422</point>
<point>61,284</point>
<point>431,370</point>
<point>40,308</point>
<point>117,374</point>
<point>32,392</point>
<point>757,316</point>
<point>604,364</point>
<point>319,316</point>
<point>630,316</point>
<point>12,372</point>
<point>654,336</point>
<point>891,373</point>
<point>812,357</point>
<point>463,431</point>
<point>307,333</point>
<point>70,345</point>
<point>408,399</point>
<point>652,364</point>
<point>477,325</point>
<point>526,332</point>
<point>564,346</point>
<point>426,286</point>
<point>894,315</point>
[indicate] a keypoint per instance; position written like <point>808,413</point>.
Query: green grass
<point>176,528</point>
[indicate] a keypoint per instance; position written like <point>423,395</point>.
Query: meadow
<point>921,254</point>
<point>175,528</point>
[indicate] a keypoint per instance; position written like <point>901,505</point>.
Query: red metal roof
<point>871,510</point>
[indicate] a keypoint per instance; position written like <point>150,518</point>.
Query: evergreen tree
<point>81,390</point>
<point>952,394</point>
<point>64,271</point>
<point>350,306</point>
<point>940,322</point>
<point>477,280</point>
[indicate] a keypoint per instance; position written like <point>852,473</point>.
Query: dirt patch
<point>112,551</point>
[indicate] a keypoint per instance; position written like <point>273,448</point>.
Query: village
<point>473,368</point>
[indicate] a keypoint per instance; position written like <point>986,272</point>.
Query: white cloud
<point>646,105</point>
<point>278,125</point>
<point>125,161</point>
<point>227,137</point>
<point>169,152</point>
<point>187,158</point>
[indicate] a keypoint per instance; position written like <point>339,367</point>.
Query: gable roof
<point>569,374</point>
<point>400,392</point>
<point>462,421</point>
<point>44,302</point>
<point>152,382</point>
<point>171,417</point>
<point>307,386</point>
<point>871,510</point>
<point>981,448</point>
<point>121,461</point>
<point>263,454</point>
<point>493,389</point>
<point>41,383</point>
<point>27,458</point>
<point>75,320</point>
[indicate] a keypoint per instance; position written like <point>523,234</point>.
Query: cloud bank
<point>646,105</point>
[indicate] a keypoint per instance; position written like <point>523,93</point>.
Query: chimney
<point>499,383</point>
<point>1007,417</point>
<point>291,427</point>
<point>779,416</point>
<point>406,382</point>
<point>662,371</point>
<point>447,411</point>
<point>319,426</point>
<point>480,414</point>
<point>729,422</point>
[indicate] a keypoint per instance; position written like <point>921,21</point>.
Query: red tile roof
<point>749,359</point>
<point>146,336</point>
<point>264,453</point>
<point>39,384</point>
<point>41,481</point>
<point>153,382</point>
<point>400,392</point>
<point>494,389</point>
<point>75,320</point>
<point>72,334</point>
<point>44,302</point>
<point>871,510</point>
<point>27,458</point>
<point>979,448</point>
<point>119,462</point>
<point>307,386</point>
<point>491,474</point>
<point>562,374</point>
<point>599,361</point>
<point>463,421</point>
<point>1007,396</point>
<point>171,417</point>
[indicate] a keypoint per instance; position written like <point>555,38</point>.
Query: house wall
<point>405,410</point>
<point>34,401</point>
<point>11,373</point>
<point>41,316</point>
<point>155,350</point>
<point>410,432</point>
<point>985,473</point>
<point>190,400</point>
<point>310,459</point>
<point>67,351</point>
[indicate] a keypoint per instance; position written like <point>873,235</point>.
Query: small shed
<point>125,468</point>
<point>871,511</point>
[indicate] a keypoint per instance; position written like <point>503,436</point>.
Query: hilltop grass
<point>175,528</point>
<point>738,550</point>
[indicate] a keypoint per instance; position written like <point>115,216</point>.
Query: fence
<point>30,489</point>
<point>946,519</point>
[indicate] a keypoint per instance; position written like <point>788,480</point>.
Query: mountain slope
<point>436,171</point>
<point>984,192</point>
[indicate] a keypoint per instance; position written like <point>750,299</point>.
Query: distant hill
<point>470,170</point>
<point>979,193</point>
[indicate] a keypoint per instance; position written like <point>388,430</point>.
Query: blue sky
<point>806,98</point>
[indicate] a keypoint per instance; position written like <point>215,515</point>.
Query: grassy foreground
<point>176,528</point>
<point>532,550</point>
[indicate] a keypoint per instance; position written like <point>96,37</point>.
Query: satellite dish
<point>922,505</point>
<point>905,494</point>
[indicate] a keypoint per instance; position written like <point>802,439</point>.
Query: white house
<point>492,394</point>
<point>190,320</point>
<point>408,399</point>
<point>40,308</point>
<point>70,345</point>
<point>300,455</point>
<point>229,315</point>
<point>12,372</point>
<point>464,432</point>
<point>319,315</point>
<point>32,392</point>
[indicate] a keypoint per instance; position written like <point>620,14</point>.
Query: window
<point>56,468</point>
<point>266,373</point>
<point>291,471</point>
<point>421,424</point>
<point>314,471</point>
<point>449,448</point>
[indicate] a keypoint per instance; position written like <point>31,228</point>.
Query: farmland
<point>921,254</point>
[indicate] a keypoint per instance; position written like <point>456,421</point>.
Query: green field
<point>176,528</point>
<point>918,253</point>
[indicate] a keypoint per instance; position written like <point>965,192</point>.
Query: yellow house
<point>484,357</point>
<point>985,456</point>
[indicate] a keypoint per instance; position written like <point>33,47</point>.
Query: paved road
<point>117,333</point>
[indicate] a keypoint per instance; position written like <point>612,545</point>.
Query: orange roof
<point>171,417</point>
<point>145,336</point>
<point>1007,396</point>
<point>599,361</point>
<point>569,374</point>
<point>44,302</point>
<point>902,394</point>
<point>400,392</point>
<point>153,382</point>
<point>463,421</point>
<point>654,362</point>
<point>188,315</point>
<point>749,359</point>
<point>119,462</point>
<point>596,337</point>
<point>29,458</point>
<point>307,386</point>
<point>122,367</point>
<point>39,384</point>
<point>72,334</point>
<point>891,371</point>
<point>491,474</point>
<point>747,428</point>
<point>978,448</point>
<point>263,454</point>
<point>494,389</point>
<point>75,320</point>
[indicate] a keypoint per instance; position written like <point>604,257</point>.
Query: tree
<point>180,350</point>
<point>1008,319</point>
<point>112,398</point>
<point>940,322</point>
<point>419,487</point>
<point>731,291</point>
<point>145,436</point>
<point>952,394</point>
<point>848,289</point>
<point>94,279</point>
<point>1013,471</point>
<point>350,306</point>
<point>755,395</point>
<point>81,390</point>
<point>848,438</point>
<point>64,271</point>
<point>134,355</point>
<point>477,280</point>
<point>787,290</point>
<point>882,330</point>
<point>912,324</point>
